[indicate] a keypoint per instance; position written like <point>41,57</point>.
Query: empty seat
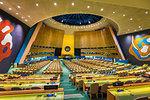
<point>15,88</point>
<point>138,81</point>
<point>2,89</point>
<point>104,88</point>
<point>33,88</point>
<point>129,82</point>
<point>146,80</point>
<point>141,98</point>
<point>94,90</point>
<point>80,84</point>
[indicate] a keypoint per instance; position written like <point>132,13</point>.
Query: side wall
<point>10,49</point>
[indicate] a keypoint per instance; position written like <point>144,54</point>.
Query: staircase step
<point>69,96</point>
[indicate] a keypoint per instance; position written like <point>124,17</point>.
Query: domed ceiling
<point>129,15</point>
<point>77,19</point>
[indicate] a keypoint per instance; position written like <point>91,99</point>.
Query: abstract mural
<point>140,48</point>
<point>5,39</point>
<point>12,35</point>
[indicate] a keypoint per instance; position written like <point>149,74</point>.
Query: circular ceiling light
<point>37,4</point>
<point>139,26</point>
<point>72,3</point>
<point>55,4</point>
<point>1,3</point>
<point>18,6</point>
<point>10,8</point>
<point>131,18</point>
<point>146,12</point>
<point>102,9</point>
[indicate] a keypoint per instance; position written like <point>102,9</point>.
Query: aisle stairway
<point>70,91</point>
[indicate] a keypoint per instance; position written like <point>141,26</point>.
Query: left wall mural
<point>12,36</point>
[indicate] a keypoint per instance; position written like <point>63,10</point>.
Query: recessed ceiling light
<point>28,16</point>
<point>18,6</point>
<point>131,18</point>
<point>37,4</point>
<point>146,12</point>
<point>72,3</point>
<point>22,17</point>
<point>134,30</point>
<point>10,8</point>
<point>88,6</point>
<point>26,20</point>
<point>102,9</point>
<point>128,29</point>
<point>139,26</point>
<point>113,12</point>
<point>1,3</point>
<point>124,15</point>
<point>55,3</point>
<point>17,13</point>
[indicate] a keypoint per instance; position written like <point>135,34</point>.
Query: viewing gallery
<point>74,50</point>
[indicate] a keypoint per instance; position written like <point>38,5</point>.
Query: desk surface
<point>25,85</point>
<point>109,81</point>
<point>136,91</point>
<point>35,96</point>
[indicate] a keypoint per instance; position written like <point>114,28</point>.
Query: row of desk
<point>27,84</point>
<point>128,92</point>
<point>39,94</point>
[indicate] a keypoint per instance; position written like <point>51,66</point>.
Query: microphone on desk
<point>131,94</point>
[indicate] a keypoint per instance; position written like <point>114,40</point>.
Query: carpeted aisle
<point>70,91</point>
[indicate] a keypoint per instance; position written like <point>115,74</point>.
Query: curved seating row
<point>33,68</point>
<point>76,68</point>
<point>54,68</point>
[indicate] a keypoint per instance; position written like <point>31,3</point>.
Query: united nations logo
<point>67,48</point>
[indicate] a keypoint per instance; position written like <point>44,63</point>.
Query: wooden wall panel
<point>41,50</point>
<point>50,37</point>
<point>35,56</point>
<point>96,39</point>
<point>100,38</point>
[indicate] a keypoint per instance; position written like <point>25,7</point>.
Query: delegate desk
<point>25,86</point>
<point>129,92</point>
<point>43,76</point>
<point>31,80</point>
<point>39,94</point>
<point>94,78</point>
<point>87,85</point>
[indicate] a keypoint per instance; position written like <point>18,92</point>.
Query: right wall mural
<point>136,47</point>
